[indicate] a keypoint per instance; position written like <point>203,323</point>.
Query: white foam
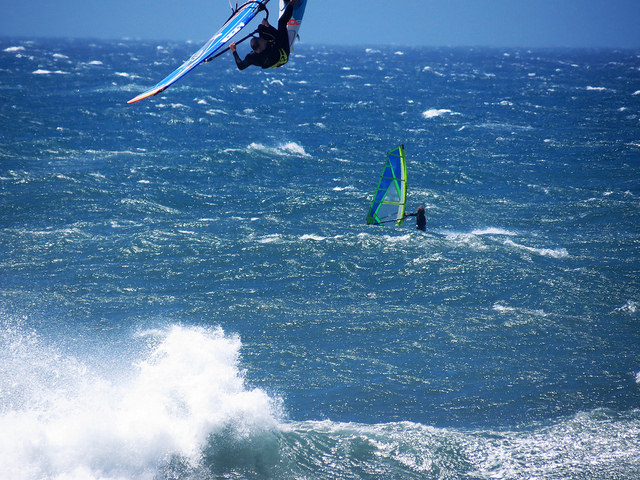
<point>172,105</point>
<point>294,148</point>
<point>501,308</point>
<point>60,419</point>
<point>270,238</point>
<point>284,149</point>
<point>437,112</point>
<point>544,252</point>
<point>590,445</point>
<point>492,231</point>
<point>126,75</point>
<point>14,49</point>
<point>148,205</point>
<point>42,71</point>
<point>573,448</point>
<point>402,238</point>
<point>471,240</point>
<point>311,236</point>
<point>629,307</point>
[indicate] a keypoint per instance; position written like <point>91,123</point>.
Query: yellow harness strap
<point>284,58</point>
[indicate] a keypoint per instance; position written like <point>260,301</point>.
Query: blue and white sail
<point>241,17</point>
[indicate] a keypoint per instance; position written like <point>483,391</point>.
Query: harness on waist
<point>284,58</point>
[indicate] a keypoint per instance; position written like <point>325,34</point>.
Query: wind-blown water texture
<point>188,288</point>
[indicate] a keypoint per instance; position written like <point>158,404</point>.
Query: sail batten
<point>390,197</point>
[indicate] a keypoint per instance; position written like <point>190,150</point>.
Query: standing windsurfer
<point>421,220</point>
<point>271,48</point>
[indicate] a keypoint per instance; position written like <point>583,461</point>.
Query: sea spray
<point>61,419</point>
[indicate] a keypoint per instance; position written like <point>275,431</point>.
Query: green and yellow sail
<point>390,197</point>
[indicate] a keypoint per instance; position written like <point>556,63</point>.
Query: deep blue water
<point>188,288</point>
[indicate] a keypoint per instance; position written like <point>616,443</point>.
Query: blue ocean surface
<point>188,288</point>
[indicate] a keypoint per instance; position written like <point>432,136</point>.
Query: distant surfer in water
<point>271,48</point>
<point>421,220</point>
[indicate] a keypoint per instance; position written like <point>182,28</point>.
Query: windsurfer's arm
<point>242,64</point>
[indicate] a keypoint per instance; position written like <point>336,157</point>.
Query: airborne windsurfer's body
<point>271,48</point>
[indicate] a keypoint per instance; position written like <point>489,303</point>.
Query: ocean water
<point>188,289</point>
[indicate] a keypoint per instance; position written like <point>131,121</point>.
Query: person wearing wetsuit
<point>271,48</point>
<point>421,220</point>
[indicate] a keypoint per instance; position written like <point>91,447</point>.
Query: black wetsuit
<point>277,52</point>
<point>421,220</point>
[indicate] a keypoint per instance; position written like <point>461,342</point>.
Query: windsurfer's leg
<point>283,35</point>
<point>286,16</point>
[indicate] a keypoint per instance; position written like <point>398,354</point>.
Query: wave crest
<point>69,421</point>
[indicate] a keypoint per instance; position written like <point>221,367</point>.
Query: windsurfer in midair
<point>271,48</point>
<point>421,220</point>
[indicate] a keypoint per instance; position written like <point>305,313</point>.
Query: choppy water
<point>188,288</point>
